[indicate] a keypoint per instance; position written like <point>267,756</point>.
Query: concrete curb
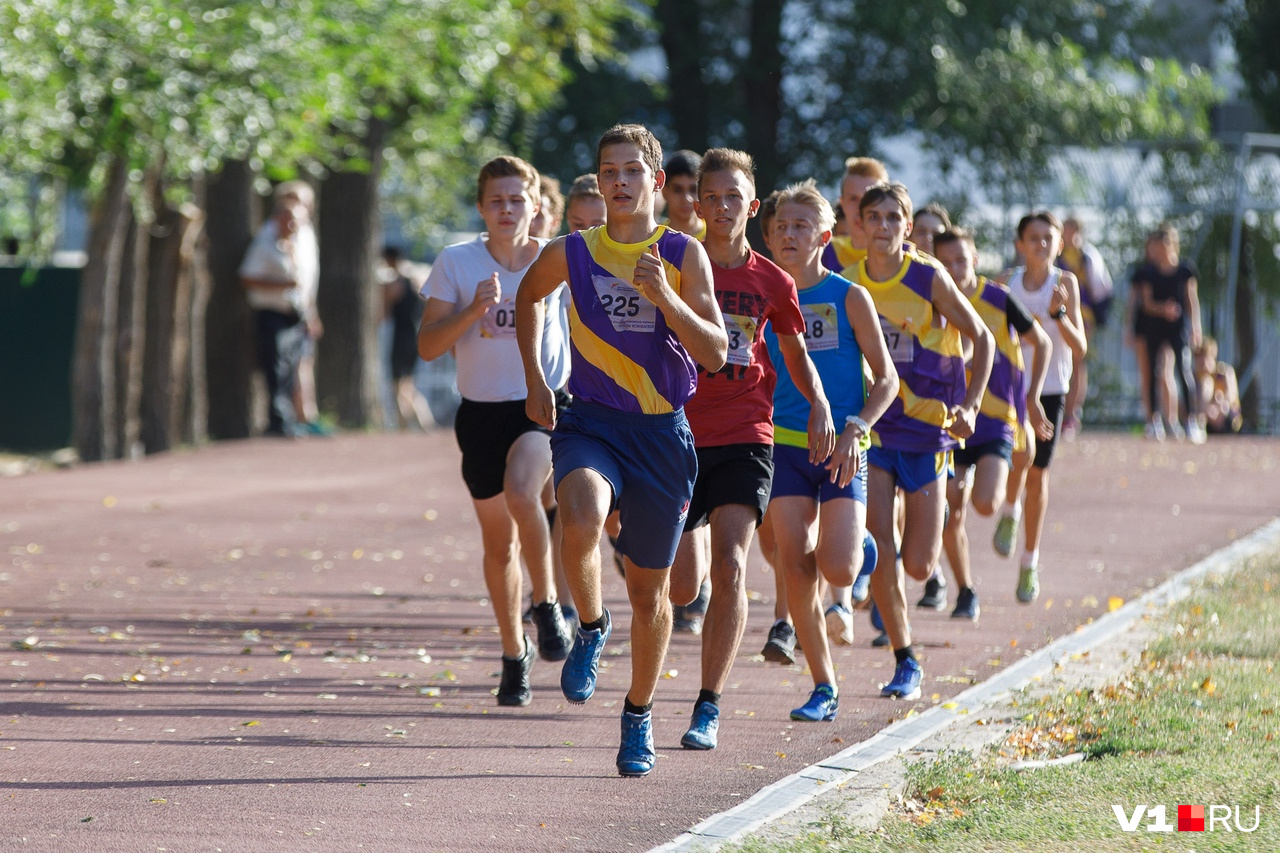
<point>792,792</point>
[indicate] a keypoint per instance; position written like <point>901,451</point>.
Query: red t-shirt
<point>734,405</point>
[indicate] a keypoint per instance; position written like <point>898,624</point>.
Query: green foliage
<point>1255,28</point>
<point>285,84</point>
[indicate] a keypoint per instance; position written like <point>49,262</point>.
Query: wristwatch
<point>1060,313</point>
<point>859,424</point>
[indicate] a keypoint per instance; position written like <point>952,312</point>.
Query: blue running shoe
<point>862,583</point>
<point>704,728</point>
<point>822,705</point>
<point>578,677</point>
<point>636,755</point>
<point>906,681</point>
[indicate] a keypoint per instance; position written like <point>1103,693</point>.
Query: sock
<point>831,687</point>
<point>597,625</point>
<point>783,621</point>
<point>1013,510</point>
<point>630,707</point>
<point>1031,559</point>
<point>902,654</point>
<point>966,589</point>
<point>705,695</point>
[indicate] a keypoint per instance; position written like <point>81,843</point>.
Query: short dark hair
<point>878,192</point>
<point>768,211</point>
<point>937,210</point>
<point>683,162</point>
<point>634,134</point>
<point>954,235</point>
<point>507,166</point>
<point>1039,216</point>
<point>726,160</point>
<point>555,199</point>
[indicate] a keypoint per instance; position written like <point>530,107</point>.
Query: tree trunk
<point>194,409</point>
<point>167,352</point>
<point>229,350</point>
<point>93,376</point>
<point>131,327</point>
<point>762,81</point>
<point>349,298</point>
<point>688,96</point>
<point>1246,311</point>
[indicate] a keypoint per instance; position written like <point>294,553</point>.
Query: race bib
<point>742,334</point>
<point>901,343</point>
<point>821,331</point>
<point>500,320</point>
<point>628,309</point>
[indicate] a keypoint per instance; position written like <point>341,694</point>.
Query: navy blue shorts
<point>650,463</point>
<point>912,471</point>
<point>795,476</point>
<point>970,454</point>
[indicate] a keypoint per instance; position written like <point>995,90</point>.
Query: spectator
<point>403,308</point>
<point>1219,391</point>
<point>280,273</point>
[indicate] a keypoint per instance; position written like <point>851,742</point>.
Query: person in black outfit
<point>404,309</point>
<point>1170,308</point>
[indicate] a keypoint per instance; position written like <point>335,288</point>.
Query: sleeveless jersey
<point>840,254</point>
<point>624,355</point>
<point>1004,403</point>
<point>829,337</point>
<point>927,353</point>
<point>1058,379</point>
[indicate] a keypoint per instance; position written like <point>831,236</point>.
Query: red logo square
<point>1190,818</point>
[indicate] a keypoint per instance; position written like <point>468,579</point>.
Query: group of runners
<point>671,389</point>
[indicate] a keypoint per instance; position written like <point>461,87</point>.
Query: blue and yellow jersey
<point>1004,403</point>
<point>623,353</point>
<point>840,254</point>
<point>927,352</point>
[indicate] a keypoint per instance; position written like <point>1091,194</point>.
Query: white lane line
<point>791,792</point>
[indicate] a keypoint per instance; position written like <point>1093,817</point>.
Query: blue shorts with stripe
<point>795,476</point>
<point>650,463</point>
<point>912,471</point>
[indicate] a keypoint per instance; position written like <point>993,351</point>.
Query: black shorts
<point>1053,409</point>
<point>731,474</point>
<point>485,433</point>
<point>971,453</point>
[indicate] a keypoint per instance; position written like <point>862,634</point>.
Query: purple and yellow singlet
<point>624,355</point>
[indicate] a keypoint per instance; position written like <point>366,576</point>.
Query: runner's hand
<point>488,294</point>
<point>1039,420</point>
<point>964,419</point>
<point>822,433</point>
<point>650,276</point>
<point>540,406</point>
<point>845,458</point>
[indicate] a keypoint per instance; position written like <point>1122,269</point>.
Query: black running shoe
<point>781,645</point>
<point>513,688</point>
<point>553,631</point>
<point>935,594</point>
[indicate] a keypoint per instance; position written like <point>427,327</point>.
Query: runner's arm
<point>822,432</point>
<point>1067,295</point>
<point>953,305</point>
<point>548,271</point>
<point>881,393</point>
<point>692,314</point>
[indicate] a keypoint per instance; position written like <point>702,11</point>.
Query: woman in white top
<point>506,458</point>
<point>1052,296</point>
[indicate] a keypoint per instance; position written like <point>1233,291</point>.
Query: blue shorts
<point>912,471</point>
<point>795,476</point>
<point>650,463</point>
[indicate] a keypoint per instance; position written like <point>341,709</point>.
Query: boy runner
<point>506,457</point>
<point>585,206</point>
<point>681,194</point>
<point>731,415</point>
<point>841,329</point>
<point>642,316</point>
<point>924,317</point>
<point>859,173</point>
<point>982,465</point>
<point>1052,295</point>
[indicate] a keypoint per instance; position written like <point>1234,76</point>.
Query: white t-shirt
<point>270,259</point>
<point>489,365</point>
<point>1058,379</point>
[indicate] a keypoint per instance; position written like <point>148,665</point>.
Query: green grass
<point>1196,722</point>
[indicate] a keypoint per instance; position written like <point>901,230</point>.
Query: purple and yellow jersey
<point>702,231</point>
<point>1004,404</point>
<point>624,356</point>
<point>840,254</point>
<point>927,353</point>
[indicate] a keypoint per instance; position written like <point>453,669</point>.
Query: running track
<point>270,645</point>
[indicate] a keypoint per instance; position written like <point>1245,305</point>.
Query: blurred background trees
<point>172,117</point>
